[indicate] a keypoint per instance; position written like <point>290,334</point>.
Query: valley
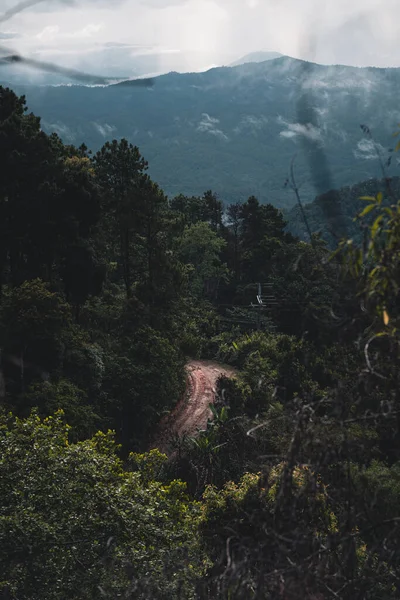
<point>235,130</point>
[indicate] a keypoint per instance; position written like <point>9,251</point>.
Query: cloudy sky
<point>358,32</point>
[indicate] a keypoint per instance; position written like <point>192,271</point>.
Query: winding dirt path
<point>192,411</point>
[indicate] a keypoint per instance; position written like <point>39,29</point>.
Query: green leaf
<point>375,226</point>
<point>375,270</point>
<point>379,197</point>
<point>368,198</point>
<point>366,210</point>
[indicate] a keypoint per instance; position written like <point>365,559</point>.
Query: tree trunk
<point>2,381</point>
<point>127,264</point>
<point>125,258</point>
<point>22,371</point>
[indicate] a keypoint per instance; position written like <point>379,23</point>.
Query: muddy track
<point>192,411</point>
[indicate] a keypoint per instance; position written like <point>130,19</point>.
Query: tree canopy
<point>107,288</point>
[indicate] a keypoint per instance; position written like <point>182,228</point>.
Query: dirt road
<point>191,413</point>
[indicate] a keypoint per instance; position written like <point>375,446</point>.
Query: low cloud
<point>17,8</point>
<point>208,125</point>
<point>105,130</point>
<point>52,33</point>
<point>217,31</point>
<point>251,124</point>
<point>368,150</point>
<point>65,133</point>
<point>294,130</point>
<point>208,121</point>
<point>360,80</point>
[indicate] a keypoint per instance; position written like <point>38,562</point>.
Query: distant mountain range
<point>236,129</point>
<point>112,61</point>
<point>124,61</point>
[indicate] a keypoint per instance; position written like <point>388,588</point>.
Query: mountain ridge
<point>259,56</point>
<point>236,129</point>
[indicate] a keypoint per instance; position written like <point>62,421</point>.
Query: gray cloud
<point>360,32</point>
<point>43,5</point>
<point>19,7</point>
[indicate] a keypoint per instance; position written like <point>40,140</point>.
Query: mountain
<point>256,57</point>
<point>113,61</point>
<point>235,130</point>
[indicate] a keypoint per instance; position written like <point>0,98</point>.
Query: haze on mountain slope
<point>115,60</point>
<point>128,61</point>
<point>236,129</point>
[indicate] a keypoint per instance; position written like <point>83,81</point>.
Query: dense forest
<point>107,288</point>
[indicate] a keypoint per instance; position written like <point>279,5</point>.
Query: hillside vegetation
<point>333,215</point>
<point>107,289</point>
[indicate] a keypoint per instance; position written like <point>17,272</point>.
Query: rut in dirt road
<point>192,412</point>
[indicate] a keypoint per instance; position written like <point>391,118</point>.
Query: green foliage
<point>105,287</point>
<point>197,324</point>
<point>252,509</point>
<point>379,263</point>
<point>200,247</point>
<point>274,367</point>
<point>49,397</point>
<point>142,384</point>
<point>75,524</point>
<point>32,310</point>
<point>149,465</point>
<point>206,209</point>
<point>51,209</point>
<point>120,168</point>
<point>33,323</point>
<point>345,202</point>
<point>83,361</point>
<point>379,486</point>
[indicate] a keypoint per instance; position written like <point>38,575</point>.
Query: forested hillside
<point>341,205</point>
<point>107,289</point>
<point>235,130</point>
